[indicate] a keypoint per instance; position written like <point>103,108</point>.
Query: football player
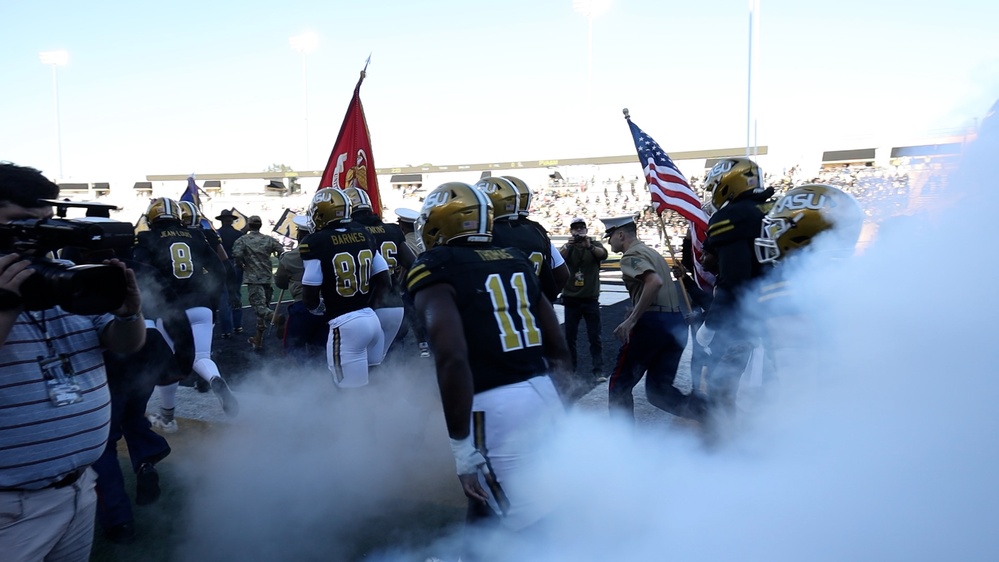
<point>802,216</point>
<point>511,199</point>
<point>497,344</point>
<point>739,201</point>
<point>392,245</point>
<point>345,275</point>
<point>183,277</point>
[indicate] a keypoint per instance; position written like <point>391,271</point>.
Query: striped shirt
<point>40,442</point>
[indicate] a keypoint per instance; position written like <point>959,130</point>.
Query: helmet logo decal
<point>720,168</point>
<point>436,199</point>
<point>800,201</point>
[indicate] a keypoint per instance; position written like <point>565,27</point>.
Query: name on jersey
<point>348,238</point>
<point>800,201</point>
<point>493,255</point>
<point>171,233</point>
<point>375,229</point>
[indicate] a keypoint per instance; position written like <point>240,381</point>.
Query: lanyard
<point>40,324</point>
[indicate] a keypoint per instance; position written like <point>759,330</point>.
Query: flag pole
<point>662,234</point>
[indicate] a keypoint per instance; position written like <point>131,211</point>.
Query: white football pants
<point>509,426</point>
<point>356,341</point>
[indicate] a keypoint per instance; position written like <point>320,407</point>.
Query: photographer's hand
<point>127,333</point>
<point>13,272</point>
<point>132,304</point>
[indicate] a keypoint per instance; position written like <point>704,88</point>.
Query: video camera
<point>79,289</point>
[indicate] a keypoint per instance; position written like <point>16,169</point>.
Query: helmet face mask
<point>328,206</point>
<point>802,214</point>
<point>730,178</point>
<point>161,209</point>
<point>455,212</point>
<point>359,198</point>
<point>503,194</point>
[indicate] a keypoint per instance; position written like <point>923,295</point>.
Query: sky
<point>211,88</point>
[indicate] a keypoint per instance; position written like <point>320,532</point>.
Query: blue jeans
<point>225,312</point>
<point>130,382</point>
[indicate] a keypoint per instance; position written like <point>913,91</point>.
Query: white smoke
<point>893,459</point>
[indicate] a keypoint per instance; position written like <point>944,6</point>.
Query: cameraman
<point>581,294</point>
<point>54,401</point>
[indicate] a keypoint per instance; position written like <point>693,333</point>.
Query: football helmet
<point>803,213</point>
<point>328,206</point>
<point>190,215</point>
<point>455,211</point>
<point>161,209</point>
<point>503,194</point>
<point>730,178</point>
<point>358,199</point>
<point>526,196</point>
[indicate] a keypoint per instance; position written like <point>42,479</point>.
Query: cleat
<point>160,423</point>
<point>221,389</point>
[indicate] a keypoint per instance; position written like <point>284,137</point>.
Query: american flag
<point>670,190</point>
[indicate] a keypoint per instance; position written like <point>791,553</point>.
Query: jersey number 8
<point>180,257</point>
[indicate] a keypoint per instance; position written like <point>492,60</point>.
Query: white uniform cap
<point>407,215</point>
<point>613,223</point>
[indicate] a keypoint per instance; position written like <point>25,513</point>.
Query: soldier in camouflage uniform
<point>253,253</point>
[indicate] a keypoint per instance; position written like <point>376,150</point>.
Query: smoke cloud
<point>892,456</point>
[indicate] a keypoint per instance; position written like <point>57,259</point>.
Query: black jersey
<point>532,239</point>
<point>390,239</point>
<point>732,233</point>
<point>498,295</point>
<point>345,255</point>
<point>177,267</point>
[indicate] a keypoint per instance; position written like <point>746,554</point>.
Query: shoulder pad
<point>428,269</point>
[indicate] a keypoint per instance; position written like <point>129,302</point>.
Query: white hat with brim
<point>301,221</point>
<point>407,215</point>
<point>614,223</point>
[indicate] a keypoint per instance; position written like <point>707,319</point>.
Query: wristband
<point>129,318</point>
<point>467,459</point>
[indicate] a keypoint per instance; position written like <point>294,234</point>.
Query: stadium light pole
<point>754,33</point>
<point>305,44</point>
<point>590,9</point>
<point>55,59</point>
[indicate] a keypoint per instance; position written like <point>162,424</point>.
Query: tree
<point>279,168</point>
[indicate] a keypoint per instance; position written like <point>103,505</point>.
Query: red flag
<point>351,162</point>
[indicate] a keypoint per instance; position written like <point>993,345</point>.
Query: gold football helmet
<point>503,195</point>
<point>526,196</point>
<point>730,178</point>
<point>358,198</point>
<point>802,214</point>
<point>190,215</point>
<point>162,208</point>
<point>328,206</point>
<point>455,211</point>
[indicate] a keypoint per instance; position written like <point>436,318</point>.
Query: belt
<point>68,480</point>
<point>65,481</point>
<point>657,308</point>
